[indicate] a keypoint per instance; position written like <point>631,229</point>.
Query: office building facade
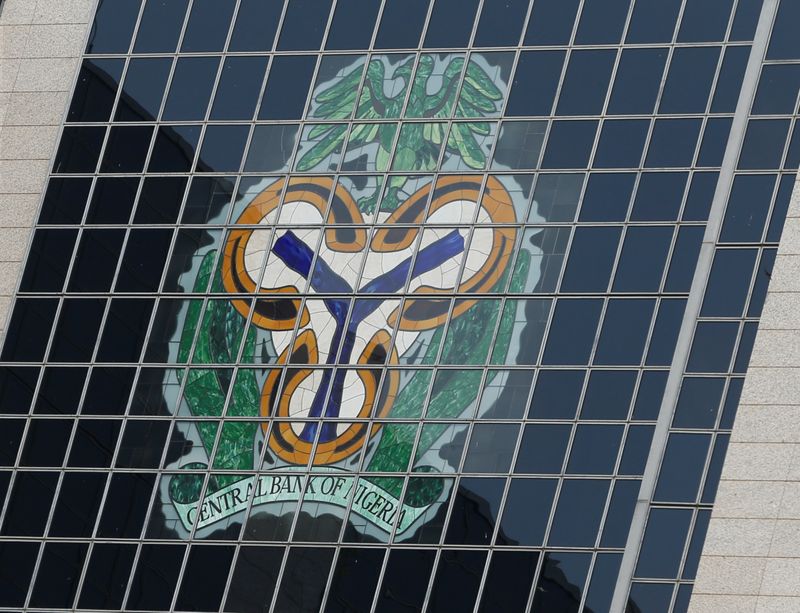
<point>399,305</point>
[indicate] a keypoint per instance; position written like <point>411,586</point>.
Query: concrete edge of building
<point>751,558</point>
<point>41,42</point>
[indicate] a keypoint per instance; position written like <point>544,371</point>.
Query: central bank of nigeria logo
<point>342,297</point>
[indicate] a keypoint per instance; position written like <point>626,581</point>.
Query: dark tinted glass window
<point>747,209</point>
<point>691,74</point>
<point>451,23</point>
<point>682,467</point>
<point>143,89</point>
<point>637,81</point>
<point>254,578</point>
<point>664,541</point>
<point>223,148</point>
<point>501,23</point>
<point>405,581</point>
<point>48,259</point>
<point>304,577</point>
<point>561,581</point>
<point>607,197</point>
<point>174,148</point>
<point>191,87</point>
<point>533,89</point>
<point>524,523</point>
<point>572,331</point>
<point>64,201</point>
<point>208,25</point>
<point>624,332</point>
<point>665,332</point>
<point>161,26</point>
<point>16,388</point>
<point>107,575</point>
<point>698,402</point>
<point>608,394</point>
<point>76,330</point>
<point>556,394</point>
<point>644,255</point>
<point>659,196</point>
<point>29,504</point>
<point>125,506</point>
<point>143,262</point>
<point>458,577</point>
<point>653,21</point>
<point>729,82</point>
<point>783,43</point>
<point>79,149</point>
<point>583,91</point>
<point>594,449</point>
<point>304,25</point>
<point>353,24</point>
<point>202,584</point>
<point>508,581</point>
<point>112,200</point>
<point>764,142</point>
<point>673,143</point>
<point>95,90</point>
<point>715,140</point>
<point>570,144</point>
<point>113,26</point>
<point>79,499</point>
<point>160,200</point>
<point>58,575</point>
<point>401,24</point>
<point>602,22</point>
<point>551,22</point>
<point>703,21</point>
<point>591,259</point>
<point>728,284</point>
<point>543,448</point>
<point>578,513</point>
<point>29,330</point>
<point>96,260</point>
<point>256,24</point>
<point>239,87</point>
<point>126,149</point>
<point>287,87</point>
<point>60,390</point>
<point>354,580</point>
<point>777,90</point>
<point>621,143</point>
<point>156,576</point>
<point>684,259</point>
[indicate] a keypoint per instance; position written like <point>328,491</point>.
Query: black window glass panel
<point>551,22</point>
<point>696,544</point>
<point>144,259</point>
<point>663,544</point>
<point>305,574</point>
<point>491,448</point>
<point>659,196</point>
<point>508,581</point>
<point>401,24</point>
<point>17,560</point>
<point>637,81</point>
<point>578,513</point>
<point>29,504</point>
<point>715,468</point>
<point>570,144</point>
<point>650,392</point>
<point>561,581</point>
<point>602,22</point>
<point>94,443</point>
<point>125,505</point>
<point>608,394</point>
<point>624,332</point>
<point>155,578</point>
<point>524,521</point>
<point>533,89</point>
<point>644,255</point>
<point>208,25</point>
<point>682,467</point>
<point>174,148</point>
<point>777,90</point>
<point>704,21</point>
<point>354,580</point>
<point>353,24</point>
<point>691,74</point>
<point>783,44</point>
<point>764,142</point>
<point>112,200</point>
<point>60,390</point>
<point>142,444</point>
<point>746,19</point>
<point>79,499</point>
<point>763,274</point>
<point>76,331</point>
<point>65,200</point>
<point>95,90</point>
<point>160,27</point>
<point>29,330</point>
<point>10,438</point>
<point>715,140</point>
<point>304,25</point>
<point>745,348</point>
<point>458,577</point>
<point>450,23</point>
<point>653,21</point>
<point>729,82</point>
<point>127,149</point>
<point>113,26</point>
<point>650,596</point>
<point>665,332</point>
<point>604,578</point>
<point>591,259</point>
<point>700,196</point>
<point>79,149</point>
<point>96,260</point>
<point>594,449</point>
<point>46,442</point>
<point>124,331</point>
<point>556,394</point>
<point>780,209</point>
<point>190,89</point>
<point>223,148</point>
<point>405,581</point>
<point>543,448</point>
<point>684,259</point>
<point>793,152</point>
<point>160,200</point>
<point>203,584</point>
<point>238,89</point>
<point>107,575</point>
<point>48,260</point>
<point>475,511</point>
<point>713,346</point>
<point>698,402</point>
<point>287,87</point>
<point>16,388</point>
<point>58,575</point>
<point>586,82</point>
<point>572,331</point>
<point>637,447</point>
<point>143,89</point>
<point>107,392</point>
<point>256,25</point>
<point>728,284</point>
<point>673,142</point>
<point>207,196</point>
<point>607,197</point>
<point>254,578</point>
<point>501,23</point>
<point>621,143</point>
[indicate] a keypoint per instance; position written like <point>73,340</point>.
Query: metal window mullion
<point>702,272</point>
